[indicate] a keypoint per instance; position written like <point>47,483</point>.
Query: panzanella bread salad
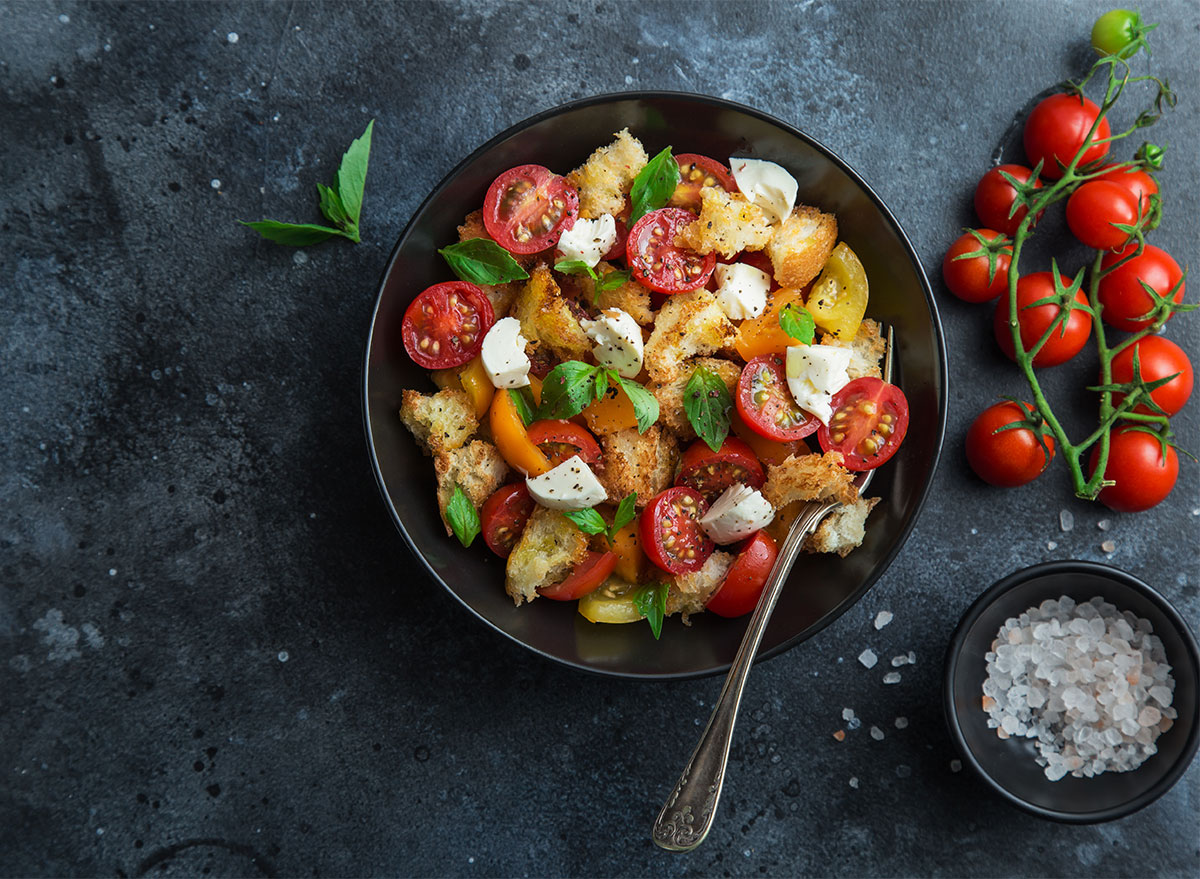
<point>629,366</point>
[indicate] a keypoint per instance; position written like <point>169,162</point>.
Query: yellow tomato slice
<point>838,299</point>
<point>611,603</point>
<point>511,438</point>
<point>763,335</point>
<point>479,387</point>
<point>612,412</point>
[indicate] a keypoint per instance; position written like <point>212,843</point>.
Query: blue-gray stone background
<point>217,655</point>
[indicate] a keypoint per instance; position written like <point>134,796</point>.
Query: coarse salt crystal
<point>956,766</point>
<point>1066,520</point>
<point>868,658</point>
<point>877,734</point>
<point>854,782</point>
<point>882,619</point>
<point>901,722</point>
<point>892,677</point>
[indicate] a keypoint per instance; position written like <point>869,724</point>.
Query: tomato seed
<point>436,346</point>
<point>838,437</point>
<point>867,406</point>
<point>467,338</point>
<point>885,418</point>
<point>689,553</point>
<point>710,181</point>
<point>658,266</point>
<point>678,273</point>
<point>869,446</point>
<point>885,429</point>
<point>669,541</point>
<point>695,174</point>
<point>424,344</point>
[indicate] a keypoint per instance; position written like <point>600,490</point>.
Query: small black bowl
<point>1007,765</point>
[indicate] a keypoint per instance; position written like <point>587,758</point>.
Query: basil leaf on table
<point>295,234</point>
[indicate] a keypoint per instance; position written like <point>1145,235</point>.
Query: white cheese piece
<point>814,374</point>
<point>742,290</point>
<point>570,486</point>
<point>618,341</point>
<point>737,513</point>
<point>588,240</point>
<point>503,354</point>
<point>767,185</point>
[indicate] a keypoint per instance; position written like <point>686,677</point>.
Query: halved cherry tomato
<point>587,577</point>
<point>710,473</point>
<point>838,299</point>
<point>995,196</point>
<point>1158,357</point>
<point>655,260</point>
<point>1056,129</point>
<point>766,450</point>
<point>503,517</point>
<point>445,325</point>
<point>512,440</point>
<point>612,412</point>
<point>560,439</point>
<point>766,404</point>
<point>696,172</point>
<point>1063,343</point>
<point>527,208</point>
<point>1127,305</point>
<point>671,534</point>
<point>870,418</point>
<point>738,594</point>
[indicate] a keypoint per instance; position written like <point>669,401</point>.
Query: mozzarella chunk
<point>737,513</point>
<point>767,185</point>
<point>503,354</point>
<point>618,341</point>
<point>588,240</point>
<point>570,486</point>
<point>742,290</point>
<point>814,374</point>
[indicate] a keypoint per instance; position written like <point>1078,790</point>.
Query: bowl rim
<point>954,658</point>
<point>942,372</point>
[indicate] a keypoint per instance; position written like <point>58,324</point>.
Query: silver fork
<point>687,817</point>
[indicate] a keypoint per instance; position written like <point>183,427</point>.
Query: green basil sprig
<point>797,322</point>
<point>653,186</point>
<point>462,516</point>
<point>522,400</point>
<point>575,267</point>
<point>707,404</point>
<point>590,521</point>
<point>482,261</point>
<point>651,602</point>
<point>572,385</point>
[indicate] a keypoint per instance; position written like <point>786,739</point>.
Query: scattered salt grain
<point>215,183</point>
<point>1066,520</point>
<point>1108,546</point>
<point>903,771</point>
<point>956,766</point>
<point>892,677</point>
<point>1104,524</point>
<point>868,658</point>
<point>854,781</point>
<point>882,619</point>
<point>1051,544</point>
<point>877,734</point>
<point>231,37</point>
<point>901,722</point>
<point>847,714</point>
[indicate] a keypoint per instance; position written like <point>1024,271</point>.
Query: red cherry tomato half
<point>527,208</point>
<point>670,530</point>
<point>967,277</point>
<point>655,260</point>
<point>1137,181</point>
<point>738,594</point>
<point>994,198</point>
<point>1127,305</point>
<point>587,577</point>
<point>445,325</point>
<point>1005,456</point>
<point>766,404</point>
<point>696,172</point>
<point>710,473</point>
<point>503,517</point>
<point>1143,473</point>
<point>1157,358</point>
<point>1064,342</point>
<point>560,440</point>
<point>1056,130</point>
<point>869,421</point>
<point>1094,209</point>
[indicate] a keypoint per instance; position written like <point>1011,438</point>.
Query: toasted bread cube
<point>631,297</point>
<point>547,318</point>
<point>867,349</point>
<point>728,224</point>
<point>439,422</point>
<point>843,529</point>
<point>549,549</point>
<point>641,462</point>
<point>670,393</point>
<point>606,177</point>
<point>688,593</point>
<point>478,468</point>
<point>688,325</point>
<point>809,477</point>
<point>801,245</point>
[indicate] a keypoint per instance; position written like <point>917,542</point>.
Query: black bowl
<point>1007,765</point>
<point>561,139</point>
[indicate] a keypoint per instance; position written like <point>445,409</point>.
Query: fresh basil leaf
<point>351,177</point>
<point>567,389</point>
<point>331,207</point>
<point>575,267</point>
<point>626,510</point>
<point>645,404</point>
<point>653,186</point>
<point>461,515</point>
<point>796,321</point>
<point>601,382</point>
<point>522,399</point>
<point>295,234</point>
<point>651,602</point>
<point>482,261</point>
<point>588,521</point>
<point>613,280</point>
<point>707,403</point>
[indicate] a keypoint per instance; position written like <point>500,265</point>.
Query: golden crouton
<point>809,477</point>
<point>801,245</point>
<point>440,422</point>
<point>550,547</point>
<point>473,227</point>
<point>843,529</point>
<point>547,319</point>
<point>670,393</point>
<point>866,350</point>
<point>690,592</point>
<point>478,468</point>
<point>605,178</point>
<point>641,462</point>
<point>631,297</point>
<point>728,224</point>
<point>688,324</point>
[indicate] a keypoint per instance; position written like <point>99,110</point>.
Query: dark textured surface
<point>216,654</point>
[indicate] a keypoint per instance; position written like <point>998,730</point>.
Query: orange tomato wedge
<point>631,561</point>
<point>511,438</point>
<point>767,450</point>
<point>479,387</point>
<point>612,412</point>
<point>763,335</point>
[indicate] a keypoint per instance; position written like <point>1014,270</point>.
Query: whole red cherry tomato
<point>995,196</point>
<point>968,276</point>
<point>1137,181</point>
<point>1127,305</point>
<point>1057,129</point>
<point>1095,209</point>
<point>1064,342</point>
<point>1144,470</point>
<point>1157,358</point>
<point>1007,456</point>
